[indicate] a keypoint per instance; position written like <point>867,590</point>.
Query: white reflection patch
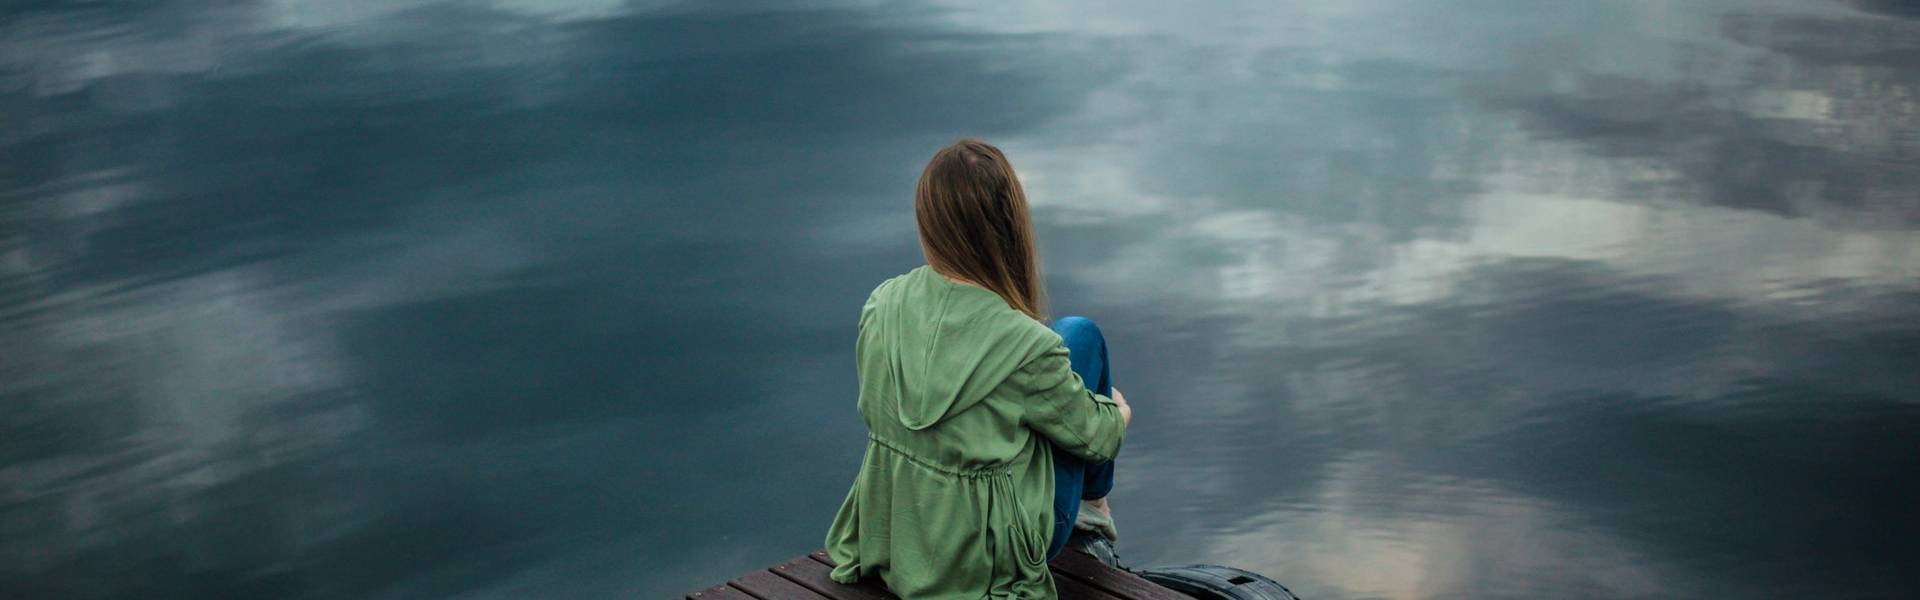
<point>1444,538</point>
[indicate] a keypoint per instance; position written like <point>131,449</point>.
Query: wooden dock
<point>1076,576</point>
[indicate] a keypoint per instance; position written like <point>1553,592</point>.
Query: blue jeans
<point>1074,479</point>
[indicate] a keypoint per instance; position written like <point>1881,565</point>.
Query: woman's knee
<point>1078,331</point>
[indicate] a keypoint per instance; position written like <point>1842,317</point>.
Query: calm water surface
<point>1476,299</point>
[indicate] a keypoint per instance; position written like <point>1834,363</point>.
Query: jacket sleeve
<point>1060,408</point>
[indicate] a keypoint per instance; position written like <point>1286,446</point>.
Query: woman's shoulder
<point>1023,337</point>
<point>944,303</point>
<point>891,289</point>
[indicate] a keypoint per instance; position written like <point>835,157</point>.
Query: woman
<point>983,437</point>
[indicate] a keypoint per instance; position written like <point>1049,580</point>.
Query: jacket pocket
<point>1029,546</point>
<point>1032,546</point>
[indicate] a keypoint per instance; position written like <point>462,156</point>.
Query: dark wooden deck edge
<point>1077,576</point>
<point>1085,568</point>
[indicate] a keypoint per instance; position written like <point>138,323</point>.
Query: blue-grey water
<point>544,299</point>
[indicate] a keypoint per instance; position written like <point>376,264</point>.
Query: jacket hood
<point>943,346</point>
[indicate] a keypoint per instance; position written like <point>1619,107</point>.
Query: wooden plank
<point>1075,575</point>
<point>1081,567</point>
<point>767,586</point>
<point>719,592</point>
<point>816,576</point>
<point>1072,589</point>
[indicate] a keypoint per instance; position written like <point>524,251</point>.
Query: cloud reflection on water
<point>1692,244</point>
<point>415,299</point>
<point>331,293</point>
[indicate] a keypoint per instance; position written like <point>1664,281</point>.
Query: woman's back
<point>929,351</point>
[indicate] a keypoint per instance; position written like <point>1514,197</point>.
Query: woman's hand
<point>1126,410</point>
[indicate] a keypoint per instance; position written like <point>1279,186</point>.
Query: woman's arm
<point>1060,408</point>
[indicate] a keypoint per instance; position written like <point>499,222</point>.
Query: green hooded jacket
<point>961,395</point>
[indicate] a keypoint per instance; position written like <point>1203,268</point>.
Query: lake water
<point>527,299</point>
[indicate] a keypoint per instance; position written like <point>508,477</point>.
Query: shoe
<point>1100,548</point>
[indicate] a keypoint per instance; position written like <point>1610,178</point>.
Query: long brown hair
<point>974,224</point>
